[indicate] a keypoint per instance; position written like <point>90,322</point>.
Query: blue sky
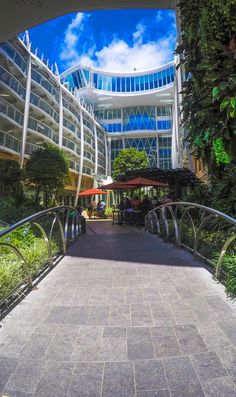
<point>118,40</point>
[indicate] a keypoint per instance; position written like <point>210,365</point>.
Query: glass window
<point>95,79</point>
<point>146,82</point>
<point>142,78</point>
<point>127,84</point>
<point>118,84</point>
<point>114,84</point>
<point>136,80</point>
<point>109,83</point>
<point>151,78</point>
<point>160,79</point>
<point>123,83</point>
<point>155,78</point>
<point>164,77</point>
<point>132,84</point>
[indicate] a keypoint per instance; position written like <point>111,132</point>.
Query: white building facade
<point>89,113</point>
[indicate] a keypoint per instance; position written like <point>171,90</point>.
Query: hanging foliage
<point>208,54</point>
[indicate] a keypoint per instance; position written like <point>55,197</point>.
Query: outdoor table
<point>120,216</point>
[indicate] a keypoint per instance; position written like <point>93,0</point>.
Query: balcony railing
<point>10,81</point>
<point>14,56</point>
<point>44,105</point>
<point>45,83</point>
<point>11,112</point>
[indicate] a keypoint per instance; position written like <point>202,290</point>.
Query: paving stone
<point>161,314</point>
<point>189,390</point>
<point>139,343</point>
<point>86,380</point>
<point>220,387</point>
<point>118,380</point>
<point>114,332</point>
<point>154,393</point>
<point>55,380</point>
<point>7,367</point>
<point>179,372</point>
<point>113,349</point>
<point>229,328</point>
<point>26,376</point>
<point>58,315</point>
<point>88,344</point>
<point>185,316</point>
<point>36,346</point>
<point>222,309</point>
<point>141,315</point>
<point>13,343</point>
<point>120,315</point>
<point>189,339</point>
<point>10,393</point>
<point>166,346</point>
<point>78,315</point>
<point>62,345</point>
<point>149,375</point>
<point>208,365</point>
<point>81,296</point>
<point>99,315</point>
<point>151,295</point>
<point>228,358</point>
<point>134,295</point>
<point>116,295</point>
<point>98,296</point>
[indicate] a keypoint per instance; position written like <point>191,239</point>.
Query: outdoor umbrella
<point>116,186</point>
<point>92,192</point>
<point>140,181</point>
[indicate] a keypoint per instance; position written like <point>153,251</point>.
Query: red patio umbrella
<point>140,181</point>
<point>116,186</point>
<point>92,192</point>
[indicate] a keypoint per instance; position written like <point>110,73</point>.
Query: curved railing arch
<point>179,212</point>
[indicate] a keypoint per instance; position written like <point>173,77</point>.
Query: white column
<point>96,147</point>
<point>60,118</point>
<point>109,155</point>
<point>158,157</point>
<point>26,111</point>
<point>175,161</point>
<point>106,155</point>
<point>81,157</point>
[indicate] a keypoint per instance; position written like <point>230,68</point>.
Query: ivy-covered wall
<point>208,54</point>
<point>208,50</point>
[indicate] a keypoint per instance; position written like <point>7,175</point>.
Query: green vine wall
<point>208,54</point>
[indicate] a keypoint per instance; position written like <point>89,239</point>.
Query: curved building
<point>35,107</point>
<point>135,109</point>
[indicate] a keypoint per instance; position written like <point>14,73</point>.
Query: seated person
<point>136,203</point>
<point>146,204</point>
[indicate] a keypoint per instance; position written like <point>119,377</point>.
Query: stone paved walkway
<point>122,315</point>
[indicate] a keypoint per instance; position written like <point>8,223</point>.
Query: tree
<point>10,179</point>
<point>129,159</point>
<point>48,171</point>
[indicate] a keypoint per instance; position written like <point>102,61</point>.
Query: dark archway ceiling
<point>19,15</point>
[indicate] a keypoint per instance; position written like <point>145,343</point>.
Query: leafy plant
<point>129,159</point>
<point>47,171</point>
<point>208,54</point>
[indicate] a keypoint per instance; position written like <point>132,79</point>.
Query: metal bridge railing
<point>63,224</point>
<point>176,220</point>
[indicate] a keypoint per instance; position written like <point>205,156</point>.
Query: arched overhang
<point>19,15</point>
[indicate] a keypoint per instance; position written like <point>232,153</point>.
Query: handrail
<point>207,214</point>
<point>70,227</point>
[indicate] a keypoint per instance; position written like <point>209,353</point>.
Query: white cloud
<point>71,39</point>
<point>118,55</point>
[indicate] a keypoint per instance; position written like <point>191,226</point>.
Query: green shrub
<point>108,211</point>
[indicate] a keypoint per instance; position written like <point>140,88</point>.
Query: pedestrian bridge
<point>123,314</point>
